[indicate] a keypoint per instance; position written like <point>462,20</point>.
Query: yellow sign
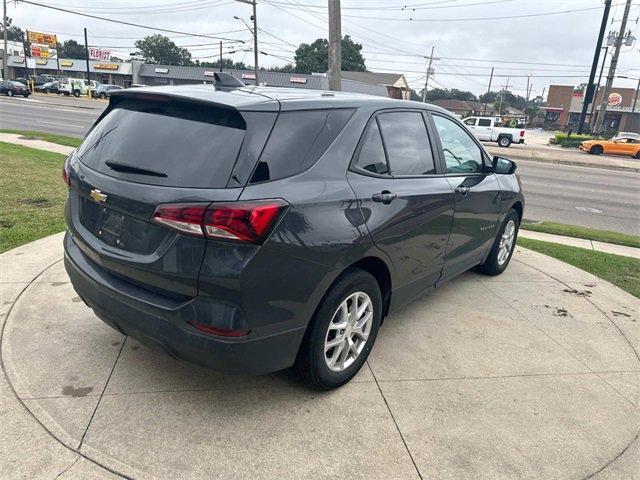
<point>42,51</point>
<point>41,61</point>
<point>42,38</point>
<point>66,63</point>
<point>106,66</point>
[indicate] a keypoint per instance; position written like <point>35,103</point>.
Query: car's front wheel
<point>596,150</point>
<point>503,246</point>
<point>342,331</point>
<point>103,95</point>
<point>9,93</point>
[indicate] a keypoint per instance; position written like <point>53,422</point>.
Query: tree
<point>14,34</point>
<point>160,49</point>
<point>288,68</point>
<point>449,93</point>
<point>71,49</point>
<point>314,57</point>
<point>227,63</point>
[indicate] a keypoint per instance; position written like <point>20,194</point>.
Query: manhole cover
<point>589,210</point>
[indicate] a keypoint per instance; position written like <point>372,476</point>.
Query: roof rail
<point>222,79</point>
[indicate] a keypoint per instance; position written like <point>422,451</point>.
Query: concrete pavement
<point>532,374</point>
<point>614,249</point>
<point>35,143</point>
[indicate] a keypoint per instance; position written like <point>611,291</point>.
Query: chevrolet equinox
<point>249,229</point>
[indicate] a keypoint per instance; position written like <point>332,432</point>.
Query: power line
<point>121,22</point>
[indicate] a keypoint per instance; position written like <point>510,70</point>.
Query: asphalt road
<point>597,198</point>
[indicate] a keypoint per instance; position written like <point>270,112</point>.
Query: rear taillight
<point>522,133</point>
<point>221,332</point>
<point>249,221</point>
<point>65,173</point>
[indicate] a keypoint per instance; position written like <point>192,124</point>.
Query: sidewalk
<point>562,156</point>
<point>612,248</point>
<point>530,374</point>
<point>37,144</point>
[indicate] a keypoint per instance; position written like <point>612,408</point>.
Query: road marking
<point>60,124</point>
<point>58,109</point>
<point>593,169</point>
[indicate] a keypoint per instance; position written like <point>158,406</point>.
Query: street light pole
<point>86,49</point>
<point>589,95</point>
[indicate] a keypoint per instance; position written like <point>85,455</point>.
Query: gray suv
<point>250,229</point>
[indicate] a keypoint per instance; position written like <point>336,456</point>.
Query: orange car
<point>621,144</point>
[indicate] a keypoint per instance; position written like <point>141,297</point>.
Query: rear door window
<point>371,157</point>
<point>298,140</point>
<point>166,143</point>
<point>484,122</point>
<point>406,143</point>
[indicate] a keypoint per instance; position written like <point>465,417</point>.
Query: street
<point>591,197</point>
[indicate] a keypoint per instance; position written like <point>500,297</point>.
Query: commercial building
<point>564,106</point>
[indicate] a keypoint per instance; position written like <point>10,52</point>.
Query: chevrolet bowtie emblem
<point>98,196</point>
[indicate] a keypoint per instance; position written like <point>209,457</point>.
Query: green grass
<point>48,137</point>
<point>32,195</point>
<point>583,232</point>
<point>621,271</point>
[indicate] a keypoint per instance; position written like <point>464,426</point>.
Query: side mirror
<point>504,166</point>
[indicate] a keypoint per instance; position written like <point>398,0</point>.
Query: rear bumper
<point>162,322</point>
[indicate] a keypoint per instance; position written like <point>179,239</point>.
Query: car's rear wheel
<point>342,331</point>
<point>596,150</point>
<point>76,93</point>
<point>504,142</point>
<point>638,154</point>
<point>503,246</point>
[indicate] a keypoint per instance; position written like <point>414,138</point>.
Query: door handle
<point>385,197</point>
<point>462,190</point>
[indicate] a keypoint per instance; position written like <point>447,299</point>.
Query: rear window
<point>298,140</point>
<point>165,143</point>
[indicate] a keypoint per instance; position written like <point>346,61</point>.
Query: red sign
<point>99,54</point>
<point>614,100</point>
<point>298,80</point>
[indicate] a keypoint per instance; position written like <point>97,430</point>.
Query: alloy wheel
<point>348,331</point>
<point>506,242</point>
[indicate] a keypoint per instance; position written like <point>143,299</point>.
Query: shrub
<point>560,137</point>
<point>572,143</point>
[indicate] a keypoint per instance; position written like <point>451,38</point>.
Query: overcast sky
<point>393,37</point>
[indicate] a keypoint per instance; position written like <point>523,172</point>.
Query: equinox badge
<point>98,196</point>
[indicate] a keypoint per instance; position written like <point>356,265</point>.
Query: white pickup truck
<point>492,129</point>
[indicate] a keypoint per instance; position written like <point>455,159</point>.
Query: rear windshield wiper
<point>125,168</point>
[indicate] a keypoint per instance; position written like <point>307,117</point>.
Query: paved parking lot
<point>533,374</point>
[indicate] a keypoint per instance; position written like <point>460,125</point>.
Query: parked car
<point>252,229</point>
<point>491,129</point>
<point>138,85</point>
<point>625,143</point>
<point>36,80</point>
<point>104,90</point>
<point>76,86</point>
<point>11,88</point>
<point>49,87</point>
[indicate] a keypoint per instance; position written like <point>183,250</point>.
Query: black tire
<point>9,93</point>
<point>310,363</point>
<point>638,154</point>
<point>76,93</point>
<point>103,95</point>
<point>492,265</point>
<point>47,91</point>
<point>596,150</point>
<point>504,142</point>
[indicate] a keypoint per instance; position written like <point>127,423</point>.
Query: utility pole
<point>612,70</point>
<point>506,87</point>
<point>86,49</point>
<point>255,42</point>
<point>635,99</point>
<point>426,81</point>
<point>526,101</point>
<point>589,95</point>
<point>597,89</point>
<point>220,55</point>
<point>5,57</point>
<point>335,46</point>
<point>254,31</point>
<point>486,100</point>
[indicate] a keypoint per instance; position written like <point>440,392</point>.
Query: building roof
<point>374,78</point>
<point>272,79</point>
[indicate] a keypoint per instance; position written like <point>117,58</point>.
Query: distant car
<point>36,80</point>
<point>49,87</point>
<point>490,129</point>
<point>138,85</point>
<point>76,86</point>
<point>622,144</point>
<point>11,88</point>
<point>104,90</point>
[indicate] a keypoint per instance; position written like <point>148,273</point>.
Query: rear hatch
<point>148,150</point>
